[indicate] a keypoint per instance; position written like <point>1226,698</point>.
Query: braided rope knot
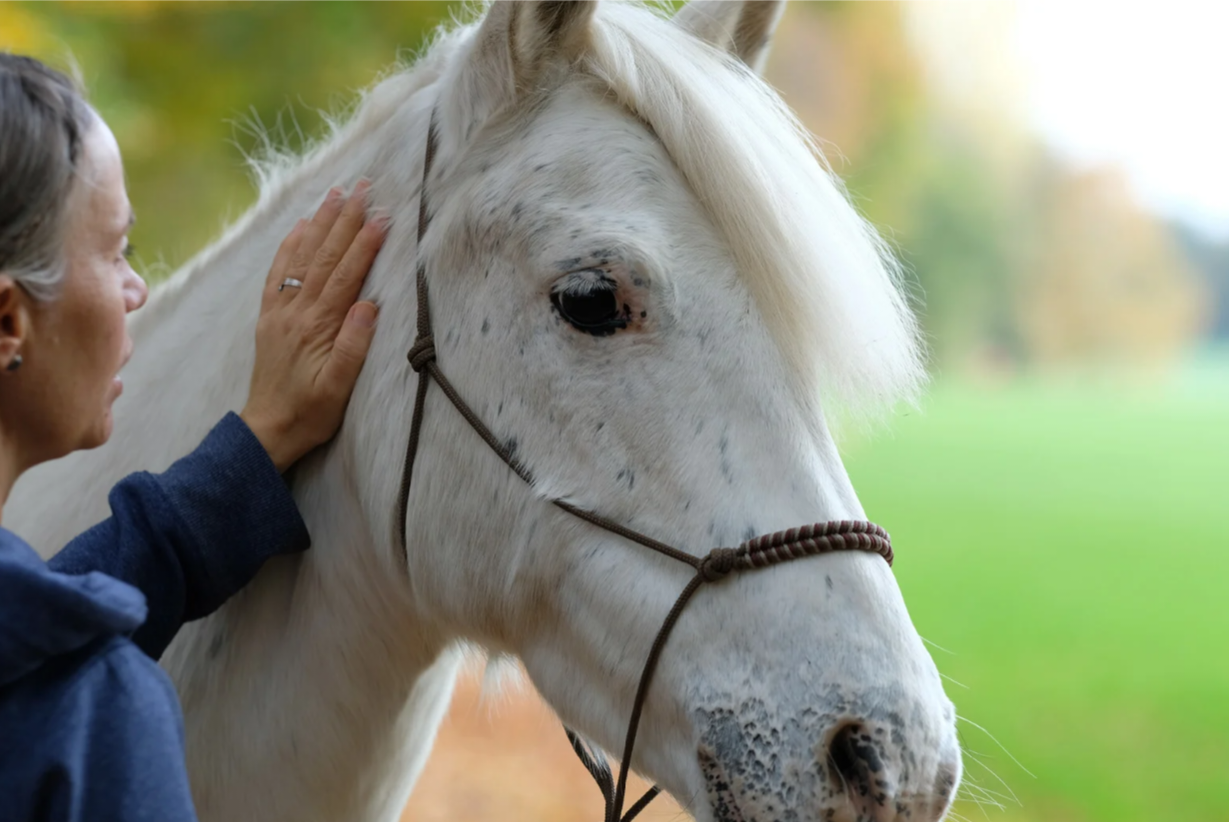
<point>718,563</point>
<point>820,538</point>
<point>422,352</point>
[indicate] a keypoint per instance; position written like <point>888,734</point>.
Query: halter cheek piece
<point>759,552</point>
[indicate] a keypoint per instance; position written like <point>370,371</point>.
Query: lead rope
<point>759,552</point>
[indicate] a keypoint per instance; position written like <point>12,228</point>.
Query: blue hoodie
<point>90,726</point>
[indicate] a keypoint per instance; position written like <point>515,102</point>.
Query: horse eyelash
<point>129,251</point>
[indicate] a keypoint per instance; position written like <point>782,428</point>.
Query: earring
<point>14,364</point>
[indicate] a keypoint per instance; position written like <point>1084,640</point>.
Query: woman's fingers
<point>346,226</point>
<point>315,234</point>
<point>281,264</point>
<point>310,347</point>
<point>343,286</point>
<point>349,350</point>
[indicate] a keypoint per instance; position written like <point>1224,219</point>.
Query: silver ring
<point>290,282</point>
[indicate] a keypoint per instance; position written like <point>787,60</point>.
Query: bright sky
<point>1144,86</point>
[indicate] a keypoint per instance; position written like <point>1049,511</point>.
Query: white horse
<point>583,149</point>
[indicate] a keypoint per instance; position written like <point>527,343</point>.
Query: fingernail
<point>335,194</point>
<point>364,314</point>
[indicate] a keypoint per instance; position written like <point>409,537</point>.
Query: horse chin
<point>841,761</point>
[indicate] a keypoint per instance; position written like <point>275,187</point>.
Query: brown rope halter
<point>759,552</point>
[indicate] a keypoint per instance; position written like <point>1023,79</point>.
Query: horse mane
<point>829,290</point>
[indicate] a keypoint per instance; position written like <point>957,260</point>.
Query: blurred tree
<point>1107,281</point>
<point>932,152</point>
<point>1212,258</point>
<point>182,85</point>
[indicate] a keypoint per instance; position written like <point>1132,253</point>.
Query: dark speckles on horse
<point>486,326</point>
<point>217,643</point>
<point>629,475</point>
<point>755,757</point>
<point>727,470</point>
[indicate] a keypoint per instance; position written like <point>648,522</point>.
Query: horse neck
<point>315,693</point>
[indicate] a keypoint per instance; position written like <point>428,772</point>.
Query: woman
<point>90,727</point>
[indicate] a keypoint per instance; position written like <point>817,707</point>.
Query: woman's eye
<point>588,301</point>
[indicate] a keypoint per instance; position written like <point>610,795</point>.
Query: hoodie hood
<point>44,614</point>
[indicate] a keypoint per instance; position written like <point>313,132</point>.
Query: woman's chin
<point>100,432</point>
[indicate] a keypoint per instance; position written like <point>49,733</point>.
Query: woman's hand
<point>311,341</point>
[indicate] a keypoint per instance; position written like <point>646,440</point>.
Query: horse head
<point>648,287</point>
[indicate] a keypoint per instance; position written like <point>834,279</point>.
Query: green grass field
<point>1069,548</point>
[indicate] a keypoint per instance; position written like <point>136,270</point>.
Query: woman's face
<point>78,342</point>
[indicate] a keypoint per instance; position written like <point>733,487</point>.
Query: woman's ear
<point>14,321</point>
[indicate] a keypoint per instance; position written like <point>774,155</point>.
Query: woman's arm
<point>193,536</point>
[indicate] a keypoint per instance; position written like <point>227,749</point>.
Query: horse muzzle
<point>827,765</point>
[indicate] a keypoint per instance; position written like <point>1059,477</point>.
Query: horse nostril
<point>856,765</point>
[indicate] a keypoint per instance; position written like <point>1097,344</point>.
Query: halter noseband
<point>758,552</point>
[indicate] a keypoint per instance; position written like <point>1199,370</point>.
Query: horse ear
<point>742,27</point>
<point>516,44</point>
<point>545,32</point>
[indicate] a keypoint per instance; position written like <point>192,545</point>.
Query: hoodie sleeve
<point>191,537</point>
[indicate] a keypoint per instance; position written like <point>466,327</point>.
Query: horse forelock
<point>829,290</point>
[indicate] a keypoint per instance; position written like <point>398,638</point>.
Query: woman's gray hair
<point>43,118</point>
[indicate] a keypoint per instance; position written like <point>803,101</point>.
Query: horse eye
<point>587,300</point>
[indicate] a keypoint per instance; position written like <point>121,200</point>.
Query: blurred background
<point>1056,179</point>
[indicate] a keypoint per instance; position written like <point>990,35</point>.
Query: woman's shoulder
<point>45,615</point>
<point>91,729</point>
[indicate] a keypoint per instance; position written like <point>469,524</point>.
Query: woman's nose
<point>135,291</point>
